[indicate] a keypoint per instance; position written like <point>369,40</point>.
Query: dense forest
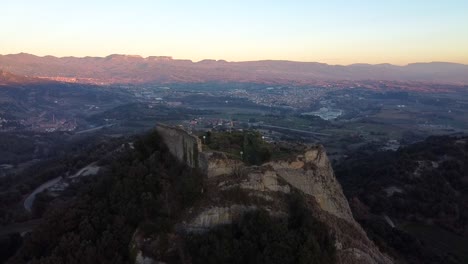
<point>423,185</point>
<point>260,238</point>
<point>145,188</point>
<point>146,185</point>
<point>52,155</point>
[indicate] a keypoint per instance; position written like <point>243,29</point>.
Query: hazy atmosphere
<point>333,32</point>
<point>234,132</point>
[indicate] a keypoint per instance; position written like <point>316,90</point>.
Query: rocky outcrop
<point>263,182</point>
<point>268,187</point>
<point>312,173</point>
<point>216,216</point>
<point>187,148</point>
<point>184,146</point>
<point>217,163</point>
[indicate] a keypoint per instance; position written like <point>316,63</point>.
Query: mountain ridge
<point>223,60</point>
<point>120,68</point>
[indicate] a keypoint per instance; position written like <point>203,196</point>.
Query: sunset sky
<point>332,31</point>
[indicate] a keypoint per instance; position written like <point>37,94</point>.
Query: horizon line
<point>223,60</point>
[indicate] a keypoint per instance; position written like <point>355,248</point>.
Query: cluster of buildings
<point>278,96</point>
<point>291,97</point>
<point>211,124</point>
<point>42,124</point>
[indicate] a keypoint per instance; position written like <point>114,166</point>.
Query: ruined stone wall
<point>184,146</point>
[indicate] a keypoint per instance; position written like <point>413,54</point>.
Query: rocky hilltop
<point>166,198</point>
<point>233,188</point>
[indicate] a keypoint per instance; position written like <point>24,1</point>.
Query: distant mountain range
<point>136,69</point>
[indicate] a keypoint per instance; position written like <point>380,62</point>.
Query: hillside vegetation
<point>423,188</point>
<point>147,189</point>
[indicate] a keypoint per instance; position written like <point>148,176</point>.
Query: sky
<point>331,31</point>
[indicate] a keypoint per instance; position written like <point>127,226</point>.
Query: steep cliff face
<point>268,185</point>
<point>181,144</point>
<point>312,173</point>
<point>233,189</point>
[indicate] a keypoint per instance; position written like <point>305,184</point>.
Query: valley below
<point>58,139</point>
